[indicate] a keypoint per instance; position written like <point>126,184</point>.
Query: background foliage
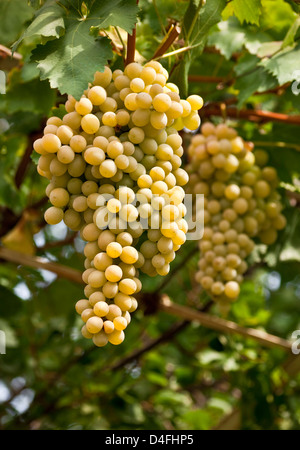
<point>241,57</point>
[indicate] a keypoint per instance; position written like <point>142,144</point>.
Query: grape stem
<point>173,33</point>
<point>131,42</point>
<point>5,52</point>
<point>179,50</point>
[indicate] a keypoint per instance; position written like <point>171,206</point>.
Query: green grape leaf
<point>277,18</point>
<point>34,96</point>
<point>209,15</point>
<point>247,10</point>
<point>71,61</point>
<point>256,81</point>
<point>231,37</point>
<point>121,13</point>
<point>267,49</point>
<point>291,34</point>
<point>48,23</point>
<point>282,65</point>
<point>227,39</point>
<point>14,14</point>
<point>251,78</point>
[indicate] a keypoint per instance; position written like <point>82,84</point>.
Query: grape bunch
<point>114,168</point>
<point>241,207</point>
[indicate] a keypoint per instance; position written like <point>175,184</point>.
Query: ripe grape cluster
<point>241,205</point>
<point>113,164</point>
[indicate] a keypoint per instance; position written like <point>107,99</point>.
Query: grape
<point>268,236</point>
<point>100,308</point>
<point>65,154</point>
<point>116,337</point>
<point>100,339</point>
<point>129,255</point>
<point>82,305</point>
<point>241,207</point>
<point>86,314</point>
<point>127,286</point>
<point>50,143</point>
<point>262,189</point>
<point>90,232</point>
<point>94,324</point>
<point>162,102</point>
<point>59,197</point>
<point>113,273</point>
<point>83,106</point>
<point>195,101</point>
<point>232,289</point>
<point>120,323</point>
<point>54,215</point>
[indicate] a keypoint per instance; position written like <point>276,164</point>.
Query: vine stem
<point>40,263</point>
<point>131,41</point>
<point>180,50</point>
<point>254,115</point>
<point>168,40</point>
<point>220,324</point>
<point>5,52</point>
<point>277,144</point>
<point>165,304</point>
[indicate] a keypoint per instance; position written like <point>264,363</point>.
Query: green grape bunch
<point>114,168</point>
<point>242,206</point>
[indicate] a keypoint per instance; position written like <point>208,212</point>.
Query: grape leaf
<point>277,18</point>
<point>121,13</point>
<point>256,81</point>
<point>291,34</point>
<point>282,65</point>
<point>251,78</point>
<point>14,14</point>
<point>231,36</point>
<point>71,61</point>
<point>33,95</point>
<point>48,22</point>
<point>209,15</point>
<point>267,49</point>
<point>228,39</point>
<point>247,10</point>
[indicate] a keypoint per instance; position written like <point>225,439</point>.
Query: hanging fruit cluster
<point>241,204</point>
<point>114,168</point>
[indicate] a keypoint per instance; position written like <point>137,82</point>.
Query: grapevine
<point>114,168</point>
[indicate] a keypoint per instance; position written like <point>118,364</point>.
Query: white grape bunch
<point>114,168</point>
<point>241,207</point>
